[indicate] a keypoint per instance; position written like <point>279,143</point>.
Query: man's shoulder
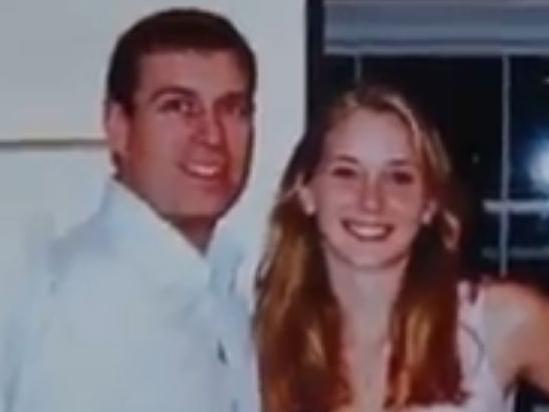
<point>85,250</point>
<point>84,240</point>
<point>97,236</point>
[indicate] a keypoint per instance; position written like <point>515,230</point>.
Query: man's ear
<point>117,127</point>
<point>306,199</point>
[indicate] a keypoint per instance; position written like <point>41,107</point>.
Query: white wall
<point>54,57</point>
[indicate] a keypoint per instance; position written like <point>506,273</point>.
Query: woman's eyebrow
<point>343,158</point>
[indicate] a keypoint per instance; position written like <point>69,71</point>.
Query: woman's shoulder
<point>499,311</point>
<point>515,303</point>
<point>515,321</point>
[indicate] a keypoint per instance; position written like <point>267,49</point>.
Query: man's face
<point>185,147</point>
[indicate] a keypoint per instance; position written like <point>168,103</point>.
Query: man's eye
<point>179,106</point>
<point>240,108</point>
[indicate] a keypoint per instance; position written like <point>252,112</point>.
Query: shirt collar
<point>154,242</point>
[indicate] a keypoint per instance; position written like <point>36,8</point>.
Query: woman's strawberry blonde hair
<point>299,324</point>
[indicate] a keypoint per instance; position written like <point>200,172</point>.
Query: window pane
<point>338,74</point>
<point>529,127</point>
<point>529,185</point>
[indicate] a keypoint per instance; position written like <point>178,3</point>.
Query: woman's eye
<point>402,177</point>
<point>343,172</point>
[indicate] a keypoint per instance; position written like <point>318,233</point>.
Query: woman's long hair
<point>299,323</point>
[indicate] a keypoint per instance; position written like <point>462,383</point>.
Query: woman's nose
<point>371,197</point>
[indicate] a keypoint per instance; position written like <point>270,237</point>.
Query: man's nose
<point>371,196</point>
<point>212,131</point>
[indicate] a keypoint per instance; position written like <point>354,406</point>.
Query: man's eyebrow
<point>236,94</point>
<point>238,97</point>
<point>171,90</point>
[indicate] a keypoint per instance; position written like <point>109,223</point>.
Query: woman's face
<point>368,192</point>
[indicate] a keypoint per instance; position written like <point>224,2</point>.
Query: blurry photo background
<point>480,69</point>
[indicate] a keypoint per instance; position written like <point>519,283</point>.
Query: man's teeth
<point>367,231</point>
<point>204,169</point>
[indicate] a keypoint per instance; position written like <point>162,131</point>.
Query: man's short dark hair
<point>173,30</point>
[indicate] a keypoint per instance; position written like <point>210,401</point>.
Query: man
<point>137,313</point>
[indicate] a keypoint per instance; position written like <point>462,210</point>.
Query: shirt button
<point>221,354</point>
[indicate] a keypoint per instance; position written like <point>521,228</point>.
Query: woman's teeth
<point>367,231</point>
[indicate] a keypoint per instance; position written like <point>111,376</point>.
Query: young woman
<point>361,307</point>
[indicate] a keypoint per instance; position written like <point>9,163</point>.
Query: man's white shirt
<point>123,314</point>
